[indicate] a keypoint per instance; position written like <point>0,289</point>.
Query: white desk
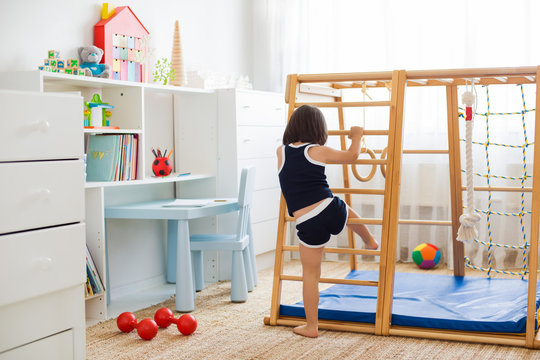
<point>178,236</point>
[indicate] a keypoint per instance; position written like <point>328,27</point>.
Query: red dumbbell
<point>186,324</point>
<point>146,328</point>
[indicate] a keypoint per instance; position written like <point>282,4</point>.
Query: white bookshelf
<point>150,111</point>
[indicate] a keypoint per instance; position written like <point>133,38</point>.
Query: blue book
<point>102,157</point>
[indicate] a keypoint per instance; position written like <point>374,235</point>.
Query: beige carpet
<point>236,331</point>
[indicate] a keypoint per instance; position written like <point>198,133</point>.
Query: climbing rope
<point>490,244</point>
<point>467,230</point>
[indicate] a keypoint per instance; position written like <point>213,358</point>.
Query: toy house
<point>121,36</point>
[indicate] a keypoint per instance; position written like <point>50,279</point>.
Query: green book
<point>102,157</point>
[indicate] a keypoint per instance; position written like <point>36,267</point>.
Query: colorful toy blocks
<point>73,63</point>
<point>55,64</point>
<point>53,54</point>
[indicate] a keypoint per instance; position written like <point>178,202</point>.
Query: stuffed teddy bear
<point>90,57</point>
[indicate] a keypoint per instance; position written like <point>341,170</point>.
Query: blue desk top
<point>156,210</point>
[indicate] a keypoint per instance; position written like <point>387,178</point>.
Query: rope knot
<point>469,220</point>
<point>467,231</point>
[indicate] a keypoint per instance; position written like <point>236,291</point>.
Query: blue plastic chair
<point>243,277</point>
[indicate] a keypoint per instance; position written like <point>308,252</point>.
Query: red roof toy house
<point>122,37</point>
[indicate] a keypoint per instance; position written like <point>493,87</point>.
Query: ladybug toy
<point>162,165</point>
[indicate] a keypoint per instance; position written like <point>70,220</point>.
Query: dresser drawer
<point>55,347</point>
<point>43,193</point>
<point>257,142</point>
<point>265,205</point>
<point>266,171</point>
<point>25,322</point>
<point>260,109</point>
<point>33,263</point>
<point>38,126</point>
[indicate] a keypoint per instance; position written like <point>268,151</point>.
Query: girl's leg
<point>363,231</point>
<point>311,273</point>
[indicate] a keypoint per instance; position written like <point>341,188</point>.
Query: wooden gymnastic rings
<point>373,167</point>
<point>383,166</point>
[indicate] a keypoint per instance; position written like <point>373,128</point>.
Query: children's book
<point>134,153</point>
<point>93,275</point>
<point>102,157</point>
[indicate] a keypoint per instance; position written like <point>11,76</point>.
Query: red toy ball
<point>147,329</point>
<point>187,324</point>
<point>162,166</point>
<point>126,322</point>
<point>164,317</point>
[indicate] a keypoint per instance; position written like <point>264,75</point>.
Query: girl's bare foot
<point>371,244</point>
<point>305,331</point>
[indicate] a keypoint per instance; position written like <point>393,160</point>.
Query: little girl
<point>301,164</point>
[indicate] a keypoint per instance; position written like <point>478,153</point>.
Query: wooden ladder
<point>390,192</point>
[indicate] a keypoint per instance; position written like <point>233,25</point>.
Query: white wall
<point>215,34</point>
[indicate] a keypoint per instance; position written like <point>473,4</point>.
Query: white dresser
<point>250,128</point>
<point>42,230</point>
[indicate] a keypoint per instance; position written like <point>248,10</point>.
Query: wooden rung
<point>366,76</point>
<point>346,104</point>
<point>418,151</point>
<point>500,339</point>
<point>427,151</point>
<point>366,132</point>
<point>338,250</point>
<point>349,221</point>
<point>365,221</point>
<point>471,72</point>
<point>357,85</point>
<point>334,281</point>
<point>362,83</point>
<point>501,79</point>
<point>425,222</point>
<point>502,188</point>
<point>325,324</point>
<point>358,191</point>
<point>362,162</point>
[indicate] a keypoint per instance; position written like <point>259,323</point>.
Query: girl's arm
<point>279,151</point>
<point>327,154</point>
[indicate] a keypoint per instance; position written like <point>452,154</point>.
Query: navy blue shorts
<point>328,218</point>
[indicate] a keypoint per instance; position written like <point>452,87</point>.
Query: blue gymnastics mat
<point>430,301</point>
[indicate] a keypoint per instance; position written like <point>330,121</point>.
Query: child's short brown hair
<point>307,124</point>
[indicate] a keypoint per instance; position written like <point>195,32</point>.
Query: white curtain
<point>319,36</point>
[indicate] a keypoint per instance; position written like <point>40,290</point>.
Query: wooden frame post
<point>290,97</point>
<point>454,165</point>
<point>391,206</point>
<point>535,220</point>
<point>346,184</point>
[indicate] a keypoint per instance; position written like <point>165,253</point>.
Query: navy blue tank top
<point>302,179</point>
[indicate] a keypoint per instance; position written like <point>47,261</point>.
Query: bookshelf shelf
<point>64,80</point>
<point>150,180</point>
<point>113,131</point>
<point>90,297</point>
